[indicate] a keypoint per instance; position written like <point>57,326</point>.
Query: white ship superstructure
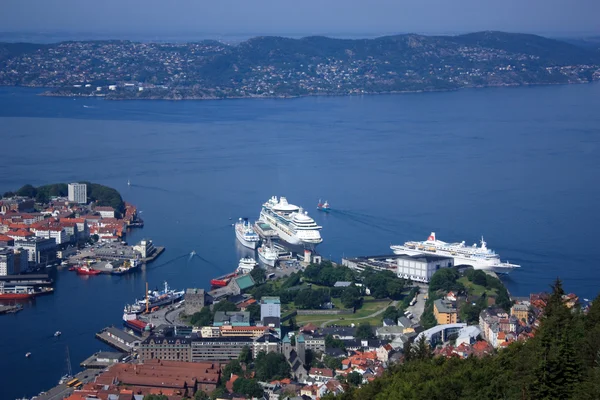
<point>479,257</point>
<point>268,255</point>
<point>291,222</point>
<point>246,265</point>
<point>245,234</point>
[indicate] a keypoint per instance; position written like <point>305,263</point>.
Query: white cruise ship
<point>245,234</point>
<point>291,222</point>
<point>478,257</point>
<point>267,255</point>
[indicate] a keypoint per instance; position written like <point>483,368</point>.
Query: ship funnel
<point>431,237</point>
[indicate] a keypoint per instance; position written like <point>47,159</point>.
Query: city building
<point>145,248</point>
<point>520,311</point>
<point>444,312</point>
<point>420,268</point>
<point>21,260</point>
<point>210,331</point>
<point>243,331</point>
<point>314,343</point>
<point>233,318</point>
<point>267,343</point>
<point>270,307</point>
<point>7,262</point>
<point>122,337</point>
<point>40,250</point>
<point>18,204</point>
<point>77,193</point>
<point>218,349</point>
<point>195,299</point>
<point>105,212</point>
<point>6,241</point>
<point>165,348</point>
<point>51,232</point>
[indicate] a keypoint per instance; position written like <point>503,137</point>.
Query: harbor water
<point>517,165</point>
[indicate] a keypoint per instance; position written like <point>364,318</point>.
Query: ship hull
<point>15,296</point>
<point>291,239</point>
<point>482,264</point>
<point>246,243</point>
<point>266,261</point>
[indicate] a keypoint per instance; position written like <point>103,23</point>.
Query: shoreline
<point>48,93</point>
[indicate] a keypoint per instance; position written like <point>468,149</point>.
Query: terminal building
<point>418,268</point>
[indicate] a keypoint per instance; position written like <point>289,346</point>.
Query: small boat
<point>128,182</point>
<point>323,206</point>
<point>246,265</point>
<point>222,281</point>
<point>28,354</point>
<point>57,333</point>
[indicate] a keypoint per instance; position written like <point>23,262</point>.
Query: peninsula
<point>284,67</point>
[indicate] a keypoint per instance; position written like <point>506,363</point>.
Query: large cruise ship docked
<point>291,222</point>
<point>479,257</point>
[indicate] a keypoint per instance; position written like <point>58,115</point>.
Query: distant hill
<point>272,66</point>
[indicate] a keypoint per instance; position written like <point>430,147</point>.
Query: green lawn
<point>477,290</point>
<point>370,306</point>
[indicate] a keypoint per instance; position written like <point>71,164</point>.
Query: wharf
<point>26,280</point>
<point>264,231</point>
<point>104,359</point>
<point>164,316</point>
<point>61,391</point>
<point>126,342</point>
<point>154,255</point>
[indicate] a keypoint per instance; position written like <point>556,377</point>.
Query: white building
<point>56,233</point>
<point>420,268</point>
<point>270,307</point>
<point>78,193</point>
<point>105,212</point>
<point>7,263</point>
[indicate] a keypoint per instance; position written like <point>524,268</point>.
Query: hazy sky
<point>300,16</point>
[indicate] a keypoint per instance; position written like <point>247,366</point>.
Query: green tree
<point>478,277</point>
<point>292,324</point>
<point>201,395</point>
<point>217,393</point>
<point>364,331</point>
<point>259,275</point>
<point>8,195</point>
<point>27,191</point>
<point>248,387</point>
<point>333,363</point>
<point>445,279</point>
<point>331,342</point>
<point>224,305</point>
<point>351,297</point>
<point>354,378</point>
<point>270,366</point>
<point>234,367</point>
<point>202,318</point>
<point>254,310</point>
<point>391,313</point>
<point>245,355</point>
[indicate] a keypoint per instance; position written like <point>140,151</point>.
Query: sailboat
<point>128,182</point>
<point>66,378</point>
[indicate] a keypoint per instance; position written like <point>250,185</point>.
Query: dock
<point>119,339</point>
<point>104,359</point>
<point>10,309</point>
<point>159,250</point>
<point>61,391</point>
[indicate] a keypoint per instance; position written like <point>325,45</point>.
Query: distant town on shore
<point>282,67</point>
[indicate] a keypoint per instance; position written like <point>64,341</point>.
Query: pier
<point>119,339</point>
<point>159,250</point>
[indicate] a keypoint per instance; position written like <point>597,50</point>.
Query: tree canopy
<point>270,366</point>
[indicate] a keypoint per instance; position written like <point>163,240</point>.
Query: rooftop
<point>444,306</point>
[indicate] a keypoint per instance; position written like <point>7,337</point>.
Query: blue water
<point>517,165</point>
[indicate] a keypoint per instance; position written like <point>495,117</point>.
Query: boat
<point>57,333</point>
<point>222,281</point>
<point>85,270</point>
<point>246,265</point>
<point>131,321</point>
<point>16,293</point>
<point>245,234</point>
<point>323,206</point>
<point>154,299</point>
<point>28,354</point>
<point>64,263</point>
<point>479,257</point>
<point>291,222</point>
<point>69,375</point>
<point>267,255</point>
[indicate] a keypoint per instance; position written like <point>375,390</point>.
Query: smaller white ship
<point>245,234</point>
<point>28,354</point>
<point>268,255</point>
<point>246,265</point>
<point>57,333</point>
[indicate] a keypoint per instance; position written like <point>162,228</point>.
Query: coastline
<point>49,93</point>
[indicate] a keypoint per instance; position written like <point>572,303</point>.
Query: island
<point>281,67</point>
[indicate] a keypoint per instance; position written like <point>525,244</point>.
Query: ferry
<point>478,257</point>
<point>246,265</point>
<point>222,281</point>
<point>268,255</point>
<point>323,206</point>
<point>291,222</point>
<point>155,299</point>
<point>245,234</point>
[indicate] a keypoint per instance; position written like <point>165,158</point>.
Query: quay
<point>104,359</point>
<point>62,390</point>
<point>119,339</point>
<point>26,280</point>
<point>159,250</point>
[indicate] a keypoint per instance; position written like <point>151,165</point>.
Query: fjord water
<point>517,165</point>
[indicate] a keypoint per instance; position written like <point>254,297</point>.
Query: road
<point>419,307</point>
<point>376,313</point>
<point>62,391</point>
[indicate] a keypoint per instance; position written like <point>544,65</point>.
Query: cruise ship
<point>478,257</point>
<point>245,234</point>
<point>291,222</point>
